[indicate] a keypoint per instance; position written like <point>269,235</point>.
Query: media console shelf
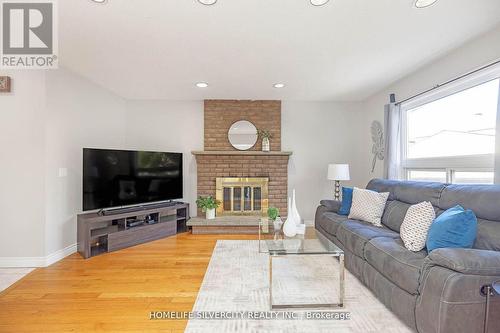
<point>98,234</point>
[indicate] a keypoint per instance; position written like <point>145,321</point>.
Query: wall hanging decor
<point>378,143</point>
<point>4,84</point>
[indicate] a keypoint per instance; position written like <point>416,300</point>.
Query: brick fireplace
<point>220,160</point>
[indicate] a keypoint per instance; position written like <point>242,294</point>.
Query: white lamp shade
<point>338,172</point>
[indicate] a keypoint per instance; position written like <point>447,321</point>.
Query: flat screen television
<point>115,178</point>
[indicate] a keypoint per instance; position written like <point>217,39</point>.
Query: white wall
<point>168,126</point>
<point>318,133</point>
<point>22,151</point>
<point>79,114</point>
<point>470,56</point>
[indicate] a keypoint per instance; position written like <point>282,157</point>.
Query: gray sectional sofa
<point>436,292</point>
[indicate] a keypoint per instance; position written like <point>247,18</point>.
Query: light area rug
<point>237,279</point>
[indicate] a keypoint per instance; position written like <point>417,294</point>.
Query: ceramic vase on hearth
<point>266,145</point>
<point>290,226</point>
<point>210,214</point>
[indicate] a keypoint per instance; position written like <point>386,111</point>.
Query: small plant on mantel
<point>265,135</point>
<point>208,205</point>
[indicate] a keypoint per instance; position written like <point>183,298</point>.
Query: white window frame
<point>450,164</point>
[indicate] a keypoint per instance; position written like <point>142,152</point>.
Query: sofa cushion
<point>330,222</point>
<point>411,192</point>
<point>416,225</point>
<point>345,207</point>
<point>355,234</point>
<point>456,227</point>
<point>368,206</point>
<point>394,214</point>
<point>331,205</point>
<point>483,200</point>
<point>467,261</point>
<point>401,266</point>
<point>488,235</point>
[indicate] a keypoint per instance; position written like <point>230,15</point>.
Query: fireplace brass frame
<point>242,182</point>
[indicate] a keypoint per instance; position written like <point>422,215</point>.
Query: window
<point>449,136</point>
<point>474,177</point>
<point>427,175</point>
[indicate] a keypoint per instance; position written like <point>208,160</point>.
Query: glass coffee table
<point>312,243</point>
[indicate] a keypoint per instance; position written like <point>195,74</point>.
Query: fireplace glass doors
<point>242,196</point>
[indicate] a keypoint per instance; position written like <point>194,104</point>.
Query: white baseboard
<point>11,262</point>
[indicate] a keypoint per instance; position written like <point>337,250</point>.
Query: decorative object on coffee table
<point>338,172</point>
<point>290,226</point>
<point>301,227</point>
<point>273,214</point>
<point>242,135</point>
<point>208,205</point>
<point>378,143</point>
<point>265,135</point>
<point>4,84</point>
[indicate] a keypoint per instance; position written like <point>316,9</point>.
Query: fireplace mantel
<point>243,153</point>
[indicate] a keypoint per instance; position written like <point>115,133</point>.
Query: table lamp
<point>338,172</point>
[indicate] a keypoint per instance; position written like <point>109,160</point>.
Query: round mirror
<point>242,135</point>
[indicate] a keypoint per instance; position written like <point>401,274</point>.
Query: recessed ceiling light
<point>202,85</point>
<point>318,2</point>
<point>424,3</point>
<point>279,85</point>
<point>99,1</point>
<point>207,2</point>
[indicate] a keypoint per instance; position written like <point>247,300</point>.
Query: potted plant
<point>208,205</point>
<point>273,214</point>
<point>265,135</point>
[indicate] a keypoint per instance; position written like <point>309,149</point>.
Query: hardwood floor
<point>114,292</point>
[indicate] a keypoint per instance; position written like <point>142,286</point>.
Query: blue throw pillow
<point>345,208</point>
<point>456,227</point>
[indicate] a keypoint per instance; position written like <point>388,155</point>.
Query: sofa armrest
<point>331,205</point>
<point>466,261</point>
<point>449,290</point>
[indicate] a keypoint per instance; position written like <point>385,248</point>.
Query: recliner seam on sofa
<point>441,299</point>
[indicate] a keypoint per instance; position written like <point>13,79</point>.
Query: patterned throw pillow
<point>416,224</point>
<point>368,206</point>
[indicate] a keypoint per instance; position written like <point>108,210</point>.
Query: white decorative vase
<point>266,145</point>
<point>290,226</point>
<point>295,212</point>
<point>210,214</point>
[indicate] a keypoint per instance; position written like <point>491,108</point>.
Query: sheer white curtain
<point>497,144</point>
<point>393,124</point>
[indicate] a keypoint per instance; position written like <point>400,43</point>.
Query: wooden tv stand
<point>98,234</point>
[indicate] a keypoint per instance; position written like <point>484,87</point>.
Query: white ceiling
<point>346,50</point>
